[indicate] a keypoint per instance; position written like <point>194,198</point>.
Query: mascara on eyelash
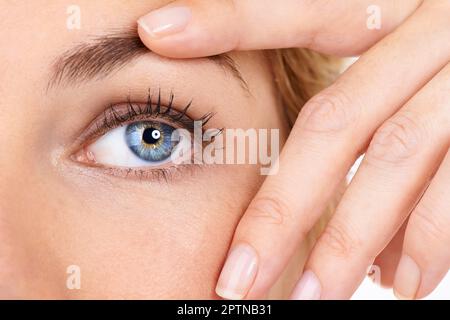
<point>119,114</point>
<point>112,117</point>
<point>135,114</point>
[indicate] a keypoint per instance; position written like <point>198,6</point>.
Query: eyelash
<point>114,117</point>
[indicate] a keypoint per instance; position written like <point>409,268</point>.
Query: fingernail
<point>165,21</point>
<point>308,288</point>
<point>407,278</point>
<point>238,273</point>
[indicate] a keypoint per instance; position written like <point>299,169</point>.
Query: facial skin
<point>131,237</point>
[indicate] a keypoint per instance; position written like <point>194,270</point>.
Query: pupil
<point>151,135</point>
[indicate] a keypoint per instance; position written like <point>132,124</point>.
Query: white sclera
<point>112,150</point>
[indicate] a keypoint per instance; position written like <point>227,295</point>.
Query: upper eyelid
<point>163,108</point>
<point>118,114</point>
<point>150,109</point>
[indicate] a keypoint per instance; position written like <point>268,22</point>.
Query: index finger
<point>330,133</point>
<point>193,28</point>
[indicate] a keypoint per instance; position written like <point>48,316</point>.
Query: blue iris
<point>150,141</point>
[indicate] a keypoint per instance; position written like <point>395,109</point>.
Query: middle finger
<point>401,159</point>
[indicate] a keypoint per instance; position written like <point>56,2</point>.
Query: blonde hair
<point>300,74</point>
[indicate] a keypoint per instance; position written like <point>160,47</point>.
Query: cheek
<point>143,240</point>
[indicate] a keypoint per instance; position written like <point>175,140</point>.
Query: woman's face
<point>73,194</point>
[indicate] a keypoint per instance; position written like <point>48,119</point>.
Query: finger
<point>331,132</point>
<point>426,256</point>
<point>193,28</point>
<point>397,167</point>
<point>387,261</point>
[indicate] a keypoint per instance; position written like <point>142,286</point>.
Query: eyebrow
<point>105,54</point>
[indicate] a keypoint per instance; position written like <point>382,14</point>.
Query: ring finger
<point>402,157</point>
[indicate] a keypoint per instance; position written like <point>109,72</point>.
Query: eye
<point>138,144</point>
<point>148,139</point>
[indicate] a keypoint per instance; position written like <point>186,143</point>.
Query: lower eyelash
<point>165,174</point>
<point>159,174</point>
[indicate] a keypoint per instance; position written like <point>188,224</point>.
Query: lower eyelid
<point>168,174</point>
<point>100,155</point>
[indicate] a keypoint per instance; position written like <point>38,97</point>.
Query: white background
<point>370,291</point>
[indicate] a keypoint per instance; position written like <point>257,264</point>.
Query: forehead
<point>50,12</point>
<point>54,19</point>
<point>34,32</point>
<point>37,33</point>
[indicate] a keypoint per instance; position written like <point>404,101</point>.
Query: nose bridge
<point>12,75</point>
<point>12,255</point>
<point>12,250</point>
<point>24,264</point>
<point>24,179</point>
<point>13,171</point>
<point>12,262</point>
<point>20,204</point>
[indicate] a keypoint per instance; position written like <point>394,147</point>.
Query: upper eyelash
<point>137,112</point>
<point>112,118</point>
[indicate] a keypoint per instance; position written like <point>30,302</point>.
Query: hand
<point>393,104</point>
